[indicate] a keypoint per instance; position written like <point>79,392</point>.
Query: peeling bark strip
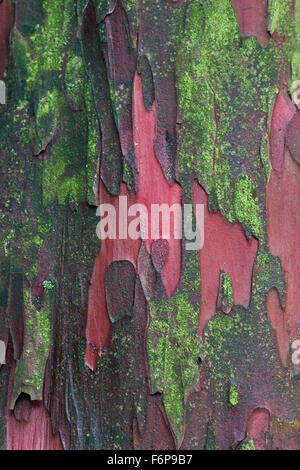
<point>158,192</point>
<point>252,17</point>
<point>122,67</point>
<point>144,344</point>
<point>111,155</point>
<point>15,313</point>
<point>283,113</point>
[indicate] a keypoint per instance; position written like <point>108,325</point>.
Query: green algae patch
<point>246,205</point>
<point>48,285</point>
<point>233,395</point>
<point>56,86</point>
<point>196,101</point>
<point>233,350</point>
<point>247,444</point>
<point>75,80</point>
<point>227,300</point>
<point>265,158</point>
<point>284,22</point>
<point>280,17</point>
<point>173,352</point>
<point>296,43</point>
<point>46,119</point>
<point>64,171</point>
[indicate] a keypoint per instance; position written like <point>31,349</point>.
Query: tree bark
<point>145,344</point>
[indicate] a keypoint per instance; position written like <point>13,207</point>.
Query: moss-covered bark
<point>166,378</point>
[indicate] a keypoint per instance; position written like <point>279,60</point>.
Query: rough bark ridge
<point>146,345</point>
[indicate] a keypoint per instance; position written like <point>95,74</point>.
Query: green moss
<point>93,151</point>
<point>233,395</point>
<point>195,101</point>
<point>64,172</point>
<point>232,347</point>
<point>280,17</point>
<point>287,29</point>
<point>48,44</point>
<point>247,444</point>
<point>46,119</point>
<point>228,342</point>
<point>296,42</point>
<point>265,157</point>
<point>224,82</point>
<point>174,349</point>
<point>246,205</point>
<point>46,111</point>
<point>75,79</point>
<point>128,176</point>
<point>48,285</point>
<point>58,128</point>
<point>44,329</point>
<point>224,189</point>
<point>130,4</point>
<point>227,293</point>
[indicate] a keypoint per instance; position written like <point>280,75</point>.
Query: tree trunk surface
<point>145,343</point>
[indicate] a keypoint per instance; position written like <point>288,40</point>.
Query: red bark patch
<point>276,316</point>
<point>160,251</point>
<point>98,324</point>
<point>226,249</point>
<point>34,434</point>
<point>283,203</point>
<point>22,408</point>
<point>252,17</point>
<point>258,427</point>
<point>283,112</point>
<point>153,187</point>
<point>293,137</point>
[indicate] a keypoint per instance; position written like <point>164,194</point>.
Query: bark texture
<point>133,344</point>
